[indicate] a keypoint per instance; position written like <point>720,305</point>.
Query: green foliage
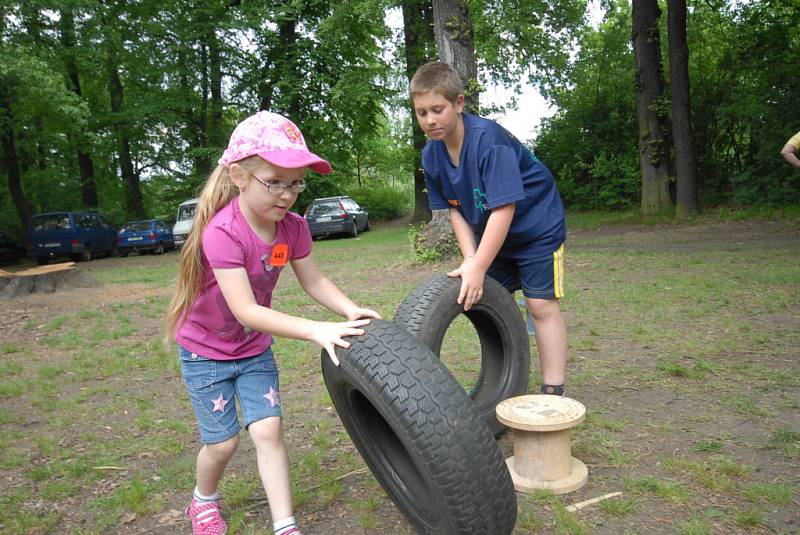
<point>427,251</point>
<point>742,61</point>
<point>381,202</point>
<point>188,74</point>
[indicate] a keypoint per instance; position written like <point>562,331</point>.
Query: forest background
<point>124,106</point>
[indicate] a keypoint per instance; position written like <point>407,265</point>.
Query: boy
<point>504,207</point>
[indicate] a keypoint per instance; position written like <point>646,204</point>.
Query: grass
<point>686,361</point>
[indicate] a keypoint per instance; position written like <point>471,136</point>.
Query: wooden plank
<point>39,270</point>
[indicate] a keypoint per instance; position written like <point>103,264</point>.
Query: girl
<point>243,236</point>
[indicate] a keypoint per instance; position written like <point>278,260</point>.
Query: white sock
<point>201,498</point>
<point>285,525</point>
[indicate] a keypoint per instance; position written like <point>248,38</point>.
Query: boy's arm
<point>476,262</point>
<point>324,292</point>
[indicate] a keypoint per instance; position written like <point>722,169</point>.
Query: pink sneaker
<point>206,518</point>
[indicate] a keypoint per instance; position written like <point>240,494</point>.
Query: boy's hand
<point>330,334</point>
<point>358,313</point>
<point>471,282</point>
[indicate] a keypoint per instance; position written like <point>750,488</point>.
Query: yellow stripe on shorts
<point>558,272</point>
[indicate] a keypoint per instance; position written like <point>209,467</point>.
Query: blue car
<point>78,235</point>
<point>147,236</point>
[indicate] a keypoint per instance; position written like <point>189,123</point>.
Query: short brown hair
<point>439,77</point>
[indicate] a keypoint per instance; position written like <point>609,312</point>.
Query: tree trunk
<point>133,192</point>
<point>216,134</point>
<point>685,163</point>
<point>204,162</point>
<point>653,154</point>
<point>85,163</point>
<point>419,39</point>
<point>455,40</point>
<point>11,158</point>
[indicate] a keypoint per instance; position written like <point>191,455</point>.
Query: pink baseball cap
<point>274,138</point>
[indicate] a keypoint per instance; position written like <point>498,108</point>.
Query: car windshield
<point>136,226</point>
<point>325,208</point>
<point>186,212</point>
<point>51,222</point>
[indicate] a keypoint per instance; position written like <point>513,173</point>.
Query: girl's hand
<point>358,313</point>
<point>331,334</point>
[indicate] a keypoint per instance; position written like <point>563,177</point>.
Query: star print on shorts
<point>273,396</point>
<point>219,404</point>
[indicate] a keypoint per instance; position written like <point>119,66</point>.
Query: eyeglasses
<point>278,188</point>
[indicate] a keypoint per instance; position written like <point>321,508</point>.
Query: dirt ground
<point>678,427</point>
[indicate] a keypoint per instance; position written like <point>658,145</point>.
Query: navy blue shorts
<point>541,277</point>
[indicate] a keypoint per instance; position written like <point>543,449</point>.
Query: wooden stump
<point>44,279</point>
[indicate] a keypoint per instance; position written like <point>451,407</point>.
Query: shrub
<point>381,202</point>
<point>432,244</point>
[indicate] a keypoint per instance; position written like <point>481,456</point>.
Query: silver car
<point>336,216</point>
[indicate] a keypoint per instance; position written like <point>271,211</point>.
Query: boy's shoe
<point>206,518</point>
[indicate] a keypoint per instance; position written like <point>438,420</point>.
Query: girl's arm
<point>324,292</point>
<point>476,262</point>
<point>235,286</point>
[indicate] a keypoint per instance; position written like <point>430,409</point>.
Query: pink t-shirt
<point>210,328</point>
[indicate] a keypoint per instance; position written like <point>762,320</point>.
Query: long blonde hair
<point>217,193</point>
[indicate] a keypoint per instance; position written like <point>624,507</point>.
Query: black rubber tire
<point>83,256</point>
<point>420,435</point>
<point>354,231</point>
<point>159,248</point>
<point>430,309</point>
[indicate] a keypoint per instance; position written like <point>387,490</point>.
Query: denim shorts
<point>217,386</point>
<point>540,277</point>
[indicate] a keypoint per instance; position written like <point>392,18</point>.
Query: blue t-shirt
<point>495,169</point>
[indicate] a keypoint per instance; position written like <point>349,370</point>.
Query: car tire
<point>83,256</point>
<point>42,260</point>
<point>431,308</point>
<point>366,224</point>
<point>419,434</point>
<point>354,230</point>
<point>159,249</point>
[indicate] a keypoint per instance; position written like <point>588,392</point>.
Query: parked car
<point>146,236</point>
<point>336,215</point>
<point>10,251</point>
<point>78,235</point>
<point>183,221</point>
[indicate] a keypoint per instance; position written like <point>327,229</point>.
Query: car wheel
<point>431,308</point>
<point>419,434</point>
<point>159,249</point>
<point>366,224</point>
<point>83,256</point>
<point>124,255</point>
<point>354,230</point>
<point>42,260</point>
